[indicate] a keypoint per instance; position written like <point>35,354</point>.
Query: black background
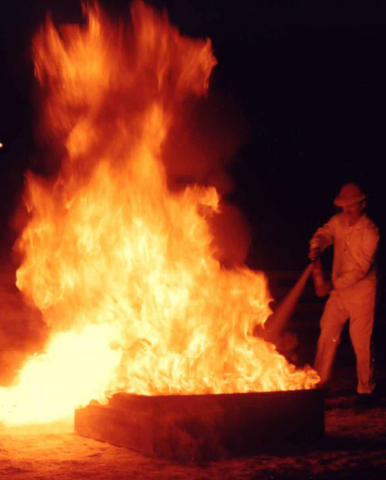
<point>308,78</point>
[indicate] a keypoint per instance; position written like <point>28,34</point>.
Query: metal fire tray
<point>205,427</point>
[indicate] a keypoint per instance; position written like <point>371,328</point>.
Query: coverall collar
<point>358,224</point>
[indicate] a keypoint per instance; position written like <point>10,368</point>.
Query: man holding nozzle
<point>352,288</point>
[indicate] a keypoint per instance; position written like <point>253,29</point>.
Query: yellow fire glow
<point>123,270</point>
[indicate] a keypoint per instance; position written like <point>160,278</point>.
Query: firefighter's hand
<point>314,253</point>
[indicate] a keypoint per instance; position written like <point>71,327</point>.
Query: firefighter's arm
<point>323,238</point>
<point>364,261</point>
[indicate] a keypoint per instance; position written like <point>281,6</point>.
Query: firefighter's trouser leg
<point>331,324</point>
<point>361,327</point>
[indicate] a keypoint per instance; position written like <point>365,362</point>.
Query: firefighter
<point>352,289</point>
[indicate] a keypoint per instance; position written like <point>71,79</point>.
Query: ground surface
<point>354,447</point>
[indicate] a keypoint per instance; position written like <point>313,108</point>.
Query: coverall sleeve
<point>324,236</point>
<point>364,261</point>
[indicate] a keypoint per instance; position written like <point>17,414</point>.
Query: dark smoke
<point>204,139</point>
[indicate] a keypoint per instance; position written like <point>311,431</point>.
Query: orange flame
<point>123,270</point>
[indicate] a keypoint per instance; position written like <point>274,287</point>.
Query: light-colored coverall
<point>353,295</point>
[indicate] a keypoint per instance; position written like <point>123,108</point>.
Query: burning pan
<point>205,427</point>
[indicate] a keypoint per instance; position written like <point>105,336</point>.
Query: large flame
<point>123,270</point>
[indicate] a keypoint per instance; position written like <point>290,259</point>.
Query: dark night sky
<point>308,78</point>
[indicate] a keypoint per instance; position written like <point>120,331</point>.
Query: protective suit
<point>353,294</point>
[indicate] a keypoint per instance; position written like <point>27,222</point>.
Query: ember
<point>125,271</point>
